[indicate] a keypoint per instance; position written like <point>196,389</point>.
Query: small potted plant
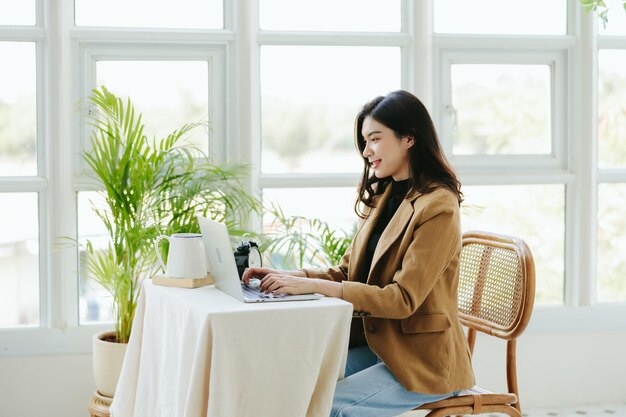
<point>150,187</point>
<point>298,242</point>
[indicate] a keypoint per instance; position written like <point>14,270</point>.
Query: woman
<point>401,271</point>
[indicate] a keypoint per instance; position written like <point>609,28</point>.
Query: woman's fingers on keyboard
<point>259,273</point>
<point>247,274</point>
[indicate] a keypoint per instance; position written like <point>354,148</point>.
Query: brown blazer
<point>409,303</point>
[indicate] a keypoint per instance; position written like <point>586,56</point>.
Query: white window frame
<point>214,55</point>
<point>555,60</point>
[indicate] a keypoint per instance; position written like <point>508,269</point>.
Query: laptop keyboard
<point>256,294</point>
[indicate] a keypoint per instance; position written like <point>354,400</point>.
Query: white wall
<point>554,369</point>
<point>45,386</point>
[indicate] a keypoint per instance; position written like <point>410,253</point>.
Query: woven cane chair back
<point>496,284</point>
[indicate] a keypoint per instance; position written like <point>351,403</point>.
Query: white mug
<point>186,256</point>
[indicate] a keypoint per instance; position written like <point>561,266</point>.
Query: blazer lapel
<point>363,236</point>
<point>391,233</point>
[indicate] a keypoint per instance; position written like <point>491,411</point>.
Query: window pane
<point>617,19</point>
<point>206,14</point>
<point>17,12</point>
<point>611,262</point>
<point>310,97</point>
<point>95,304</point>
<point>334,206</point>
<point>612,108</point>
<point>168,94</point>
<point>501,109</point>
<point>534,213</point>
<point>345,15</point>
<point>18,109</point>
<point>19,260</point>
<point>507,17</point>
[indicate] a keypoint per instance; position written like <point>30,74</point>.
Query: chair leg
<point>511,371</point>
<point>463,410</point>
<point>471,339</point>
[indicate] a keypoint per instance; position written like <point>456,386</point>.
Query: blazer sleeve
<point>436,241</point>
<point>336,273</point>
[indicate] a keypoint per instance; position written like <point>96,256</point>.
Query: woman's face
<point>388,156</point>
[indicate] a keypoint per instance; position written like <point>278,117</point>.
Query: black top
<point>398,192</point>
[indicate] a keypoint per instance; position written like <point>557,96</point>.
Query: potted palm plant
<point>150,187</point>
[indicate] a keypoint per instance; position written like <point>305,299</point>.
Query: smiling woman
<point>402,267</point>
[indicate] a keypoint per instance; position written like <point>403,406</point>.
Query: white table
<point>199,352</point>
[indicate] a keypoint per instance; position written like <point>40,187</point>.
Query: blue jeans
<point>370,390</point>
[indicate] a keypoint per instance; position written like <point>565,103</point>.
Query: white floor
<point>605,410</point>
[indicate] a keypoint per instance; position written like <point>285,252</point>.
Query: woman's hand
<point>291,282</point>
<point>282,283</point>
<point>261,273</point>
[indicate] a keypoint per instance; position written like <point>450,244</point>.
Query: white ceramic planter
<point>107,363</point>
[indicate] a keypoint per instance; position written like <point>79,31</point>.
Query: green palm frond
<point>296,241</point>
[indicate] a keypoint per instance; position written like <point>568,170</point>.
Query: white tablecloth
<point>199,352</point>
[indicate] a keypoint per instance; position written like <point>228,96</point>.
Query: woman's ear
<point>410,141</point>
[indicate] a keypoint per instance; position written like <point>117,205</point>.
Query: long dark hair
<point>405,114</point>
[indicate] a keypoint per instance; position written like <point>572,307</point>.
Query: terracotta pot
<point>107,362</point>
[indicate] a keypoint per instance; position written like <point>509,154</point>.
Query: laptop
<point>221,259</point>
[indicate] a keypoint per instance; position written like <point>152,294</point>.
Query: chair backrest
<point>496,284</point>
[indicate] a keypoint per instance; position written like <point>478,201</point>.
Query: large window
<point>501,109</point>
<point>331,15</point>
<point>181,97</point>
<point>533,122</point>
<point>188,14</point>
<point>18,109</point>
<point>611,243</point>
<point>502,112</point>
<point>611,127</point>
<point>611,107</point>
<point>312,85</point>
<point>504,17</point>
<point>535,213</point>
<point>310,96</point>
<point>22,180</point>
<point>19,259</point>
<point>17,12</point>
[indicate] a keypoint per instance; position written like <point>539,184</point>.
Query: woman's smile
<point>375,163</point>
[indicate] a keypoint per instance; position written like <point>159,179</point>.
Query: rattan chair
<point>496,297</point>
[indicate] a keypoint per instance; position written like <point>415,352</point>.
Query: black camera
<point>247,255</point>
